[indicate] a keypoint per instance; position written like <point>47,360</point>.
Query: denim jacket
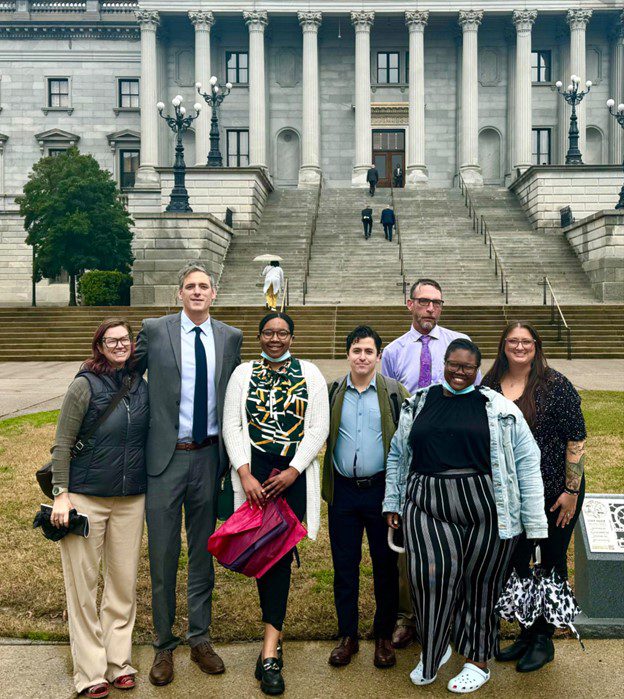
<point>515,461</point>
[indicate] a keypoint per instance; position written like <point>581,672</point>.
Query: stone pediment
<point>56,137</point>
<point>123,135</point>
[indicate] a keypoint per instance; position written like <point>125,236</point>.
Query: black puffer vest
<point>112,462</point>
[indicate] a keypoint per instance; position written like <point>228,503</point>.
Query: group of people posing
<point>473,471</point>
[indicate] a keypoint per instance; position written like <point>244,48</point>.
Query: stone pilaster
<point>469,20</point>
<point>310,171</point>
<point>578,21</point>
<point>256,21</point>
<point>523,21</point>
<point>416,170</point>
<point>147,176</point>
<point>362,22</point>
<point>202,21</point>
<point>616,91</point>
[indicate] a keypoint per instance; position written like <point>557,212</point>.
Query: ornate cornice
<point>416,18</point>
<point>389,113</point>
<point>469,20</point>
<point>70,32</point>
<point>310,20</point>
<point>578,19</point>
<point>256,18</point>
<point>147,19</point>
<point>524,20</point>
<point>362,20</point>
<point>202,20</point>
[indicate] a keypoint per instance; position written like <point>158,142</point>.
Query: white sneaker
<point>469,679</point>
<point>416,675</point>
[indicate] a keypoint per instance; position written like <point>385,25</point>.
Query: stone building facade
<point>320,90</point>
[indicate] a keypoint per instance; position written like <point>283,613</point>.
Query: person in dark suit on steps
<point>388,221</point>
<point>367,221</point>
<point>372,177</point>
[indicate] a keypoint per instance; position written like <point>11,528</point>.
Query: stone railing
<point>8,6</point>
<point>112,6</point>
<point>36,6</point>
<point>70,6</point>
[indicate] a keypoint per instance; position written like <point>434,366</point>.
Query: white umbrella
<point>268,258</point>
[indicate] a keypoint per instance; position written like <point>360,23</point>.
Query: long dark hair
<point>539,376</point>
<point>97,362</point>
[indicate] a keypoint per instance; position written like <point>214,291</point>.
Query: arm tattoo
<point>575,464</point>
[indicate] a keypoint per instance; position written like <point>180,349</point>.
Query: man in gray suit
<point>189,357</point>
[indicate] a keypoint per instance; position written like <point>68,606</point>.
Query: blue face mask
<point>276,360</point>
<point>468,389</point>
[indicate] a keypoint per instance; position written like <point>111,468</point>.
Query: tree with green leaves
<point>75,218</point>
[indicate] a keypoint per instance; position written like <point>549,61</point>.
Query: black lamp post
<point>179,199</point>
<point>619,116</point>
<point>573,97</point>
<point>214,98</point>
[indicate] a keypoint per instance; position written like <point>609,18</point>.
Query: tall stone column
<point>202,21</point>
<point>147,176</point>
<point>563,109</point>
<point>256,21</point>
<point>310,170</point>
<point>616,91</point>
<point>523,21</point>
<point>510,38</point>
<point>578,21</point>
<point>416,170</point>
<point>469,21</point>
<point>362,22</point>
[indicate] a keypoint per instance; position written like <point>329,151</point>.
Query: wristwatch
<point>57,490</point>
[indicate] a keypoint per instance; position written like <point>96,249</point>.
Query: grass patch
<point>32,600</point>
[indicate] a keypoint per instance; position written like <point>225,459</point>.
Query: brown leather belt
<point>192,446</point>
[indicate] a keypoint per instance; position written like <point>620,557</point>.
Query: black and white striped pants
<point>456,564</point>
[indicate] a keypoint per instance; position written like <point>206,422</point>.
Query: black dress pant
<point>352,511</point>
<point>553,551</point>
<point>388,230</point>
<point>274,585</point>
<point>368,227</point>
<point>371,188</point>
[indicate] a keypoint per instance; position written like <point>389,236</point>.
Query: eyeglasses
<point>424,302</point>
<point>112,342</point>
<point>268,334</point>
<point>525,344</point>
<point>467,369</point>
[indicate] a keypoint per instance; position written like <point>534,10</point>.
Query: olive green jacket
<point>386,387</point>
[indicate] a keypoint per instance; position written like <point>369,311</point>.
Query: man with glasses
<point>416,360</point>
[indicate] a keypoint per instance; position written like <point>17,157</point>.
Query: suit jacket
<point>387,216</point>
<point>159,350</point>
<point>372,175</point>
<point>367,214</point>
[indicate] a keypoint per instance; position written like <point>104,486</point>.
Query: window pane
<point>380,164</point>
<point>382,60</point>
<point>393,60</point>
<point>394,75</point>
<point>242,60</point>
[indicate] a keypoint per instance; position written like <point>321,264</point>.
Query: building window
<point>56,151</point>
<point>128,166</point>
<point>407,67</point>
<point>237,67</point>
<point>128,93</point>
<point>541,147</point>
<point>387,67</point>
<point>541,64</point>
<point>237,148</point>
<point>58,93</point>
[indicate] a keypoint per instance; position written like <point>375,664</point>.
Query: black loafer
<point>271,680</point>
<point>540,652</point>
<point>513,652</point>
<point>280,661</point>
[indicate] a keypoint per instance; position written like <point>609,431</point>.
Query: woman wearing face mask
<point>105,480</point>
<point>552,408</point>
<point>276,416</point>
<point>463,479</point>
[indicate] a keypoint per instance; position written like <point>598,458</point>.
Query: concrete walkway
<point>29,387</point>
<point>44,671</point>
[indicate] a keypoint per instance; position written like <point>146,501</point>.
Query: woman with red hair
<point>99,470</point>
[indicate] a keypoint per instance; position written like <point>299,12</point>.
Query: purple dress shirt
<point>401,358</point>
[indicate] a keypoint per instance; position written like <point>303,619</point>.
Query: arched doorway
<point>593,156</point>
<point>490,156</point>
<point>288,158</point>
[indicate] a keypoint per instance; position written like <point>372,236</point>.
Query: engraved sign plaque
<point>604,523</point>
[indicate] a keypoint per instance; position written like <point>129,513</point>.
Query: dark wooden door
<point>388,152</point>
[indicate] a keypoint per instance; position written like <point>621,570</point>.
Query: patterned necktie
<point>200,399</point>
<point>424,378</point>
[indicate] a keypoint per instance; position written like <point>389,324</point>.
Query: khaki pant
<point>101,645</point>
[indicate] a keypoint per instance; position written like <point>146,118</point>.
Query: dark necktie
<point>424,378</point>
<point>200,400</point>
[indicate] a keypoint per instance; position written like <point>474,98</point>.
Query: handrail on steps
<point>403,281</point>
<point>308,252</point>
<point>561,321</point>
<point>479,225</point>
<point>285,296</point>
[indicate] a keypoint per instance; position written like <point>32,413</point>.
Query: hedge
<point>105,288</point>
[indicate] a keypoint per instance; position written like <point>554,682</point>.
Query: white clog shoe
<point>469,679</point>
<point>416,675</point>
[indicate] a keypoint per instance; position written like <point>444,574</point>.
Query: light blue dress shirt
<point>359,451</point>
<point>187,389</point>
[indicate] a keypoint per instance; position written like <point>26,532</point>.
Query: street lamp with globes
<point>214,97</point>
<point>179,124</point>
<point>619,117</point>
<point>573,97</point>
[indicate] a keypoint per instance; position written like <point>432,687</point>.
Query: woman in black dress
<point>552,408</point>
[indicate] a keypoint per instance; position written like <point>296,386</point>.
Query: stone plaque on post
<point>599,566</point>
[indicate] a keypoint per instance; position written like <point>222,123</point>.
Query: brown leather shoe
<point>403,636</point>
<point>341,655</point>
<point>384,653</point>
<point>204,655</point>
<point>162,668</point>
